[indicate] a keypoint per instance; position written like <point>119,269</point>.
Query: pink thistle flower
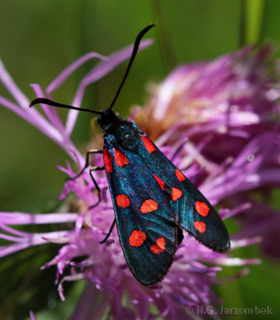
<point>227,112</point>
<point>189,281</point>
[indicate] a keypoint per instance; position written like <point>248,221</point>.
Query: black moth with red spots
<point>153,201</point>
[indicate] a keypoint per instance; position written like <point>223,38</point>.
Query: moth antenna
<point>60,105</point>
<point>133,55</point>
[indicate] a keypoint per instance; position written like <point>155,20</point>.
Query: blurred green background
<point>38,39</point>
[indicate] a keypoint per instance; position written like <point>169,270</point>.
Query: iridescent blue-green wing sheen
<point>144,217</point>
<point>192,210</point>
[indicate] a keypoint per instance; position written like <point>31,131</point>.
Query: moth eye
<point>127,135</point>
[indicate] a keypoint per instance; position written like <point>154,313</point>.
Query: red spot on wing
<point>159,247</point>
<point>179,175</point>
<point>160,182</point>
<point>137,238</point>
<point>200,226</point>
<point>123,201</point>
<point>120,158</point>
<point>149,206</point>
<point>176,194</point>
<point>202,208</point>
<point>148,144</point>
<point>107,160</point>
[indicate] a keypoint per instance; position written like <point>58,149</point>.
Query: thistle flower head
<point>189,281</point>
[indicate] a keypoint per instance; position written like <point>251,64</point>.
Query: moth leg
<point>92,151</point>
<point>110,231</point>
<point>96,184</point>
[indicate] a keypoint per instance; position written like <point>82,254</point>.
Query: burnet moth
<point>153,200</point>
